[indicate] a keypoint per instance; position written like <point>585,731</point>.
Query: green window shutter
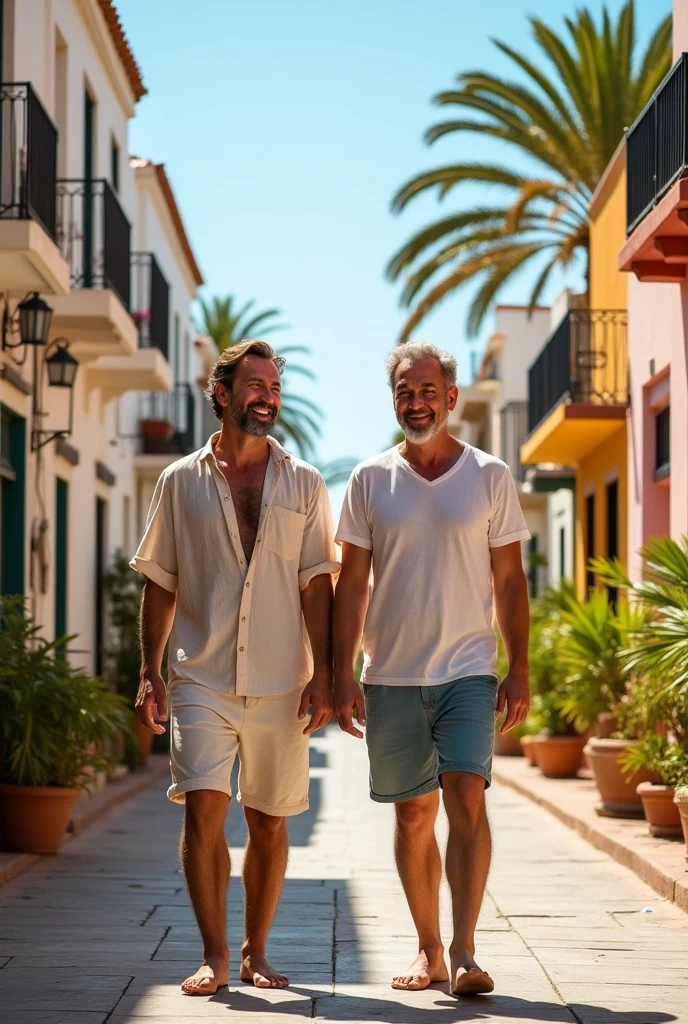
<point>13,500</point>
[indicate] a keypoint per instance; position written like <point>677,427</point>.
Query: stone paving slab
<point>661,863</point>
<point>103,934</point>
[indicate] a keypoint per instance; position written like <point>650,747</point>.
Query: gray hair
<point>417,350</point>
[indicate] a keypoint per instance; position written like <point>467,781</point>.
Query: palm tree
<point>567,123</point>
<point>228,324</point>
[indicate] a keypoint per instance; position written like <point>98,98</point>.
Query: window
<point>589,539</point>
<point>12,501</point>
<point>613,529</point>
<point>662,443</point>
<point>61,557</point>
<point>101,524</point>
<point>114,164</point>
<point>533,565</point>
<point>562,552</point>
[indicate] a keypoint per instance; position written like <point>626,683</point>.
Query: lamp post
<point>31,321</point>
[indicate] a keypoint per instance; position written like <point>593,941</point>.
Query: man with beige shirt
<point>238,556</point>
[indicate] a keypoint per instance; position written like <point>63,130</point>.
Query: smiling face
<point>255,398</point>
<point>422,400</point>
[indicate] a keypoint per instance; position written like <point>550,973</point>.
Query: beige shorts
<point>210,728</point>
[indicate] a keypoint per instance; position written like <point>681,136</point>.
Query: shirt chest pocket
<point>284,532</point>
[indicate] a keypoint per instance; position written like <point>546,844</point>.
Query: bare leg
<point>205,859</point>
<point>420,870</point>
<point>468,862</point>
<point>264,869</point>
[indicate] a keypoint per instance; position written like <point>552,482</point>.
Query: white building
<point>492,414</point>
<point>101,239</point>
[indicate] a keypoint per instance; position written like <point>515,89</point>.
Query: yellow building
<point>578,387</point>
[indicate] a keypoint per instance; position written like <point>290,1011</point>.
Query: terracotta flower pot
<point>34,819</point>
<point>606,725</point>
<point>560,757</point>
<point>508,743</point>
<point>681,801</point>
<point>144,738</point>
<point>529,747</point>
<point>619,798</point>
<point>660,810</point>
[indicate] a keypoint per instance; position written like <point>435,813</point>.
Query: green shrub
<point>55,720</point>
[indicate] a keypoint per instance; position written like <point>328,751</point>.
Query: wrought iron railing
<point>657,145</point>
<point>94,236</point>
<point>585,361</point>
<point>514,426</point>
<point>177,410</point>
<point>150,302</point>
<point>28,157</point>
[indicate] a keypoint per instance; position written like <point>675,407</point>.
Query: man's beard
<point>421,435</point>
<point>243,420</point>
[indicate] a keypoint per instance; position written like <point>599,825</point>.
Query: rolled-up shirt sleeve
<point>156,557</point>
<point>318,553</point>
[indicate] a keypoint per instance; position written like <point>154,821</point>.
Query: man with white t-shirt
<point>441,525</point>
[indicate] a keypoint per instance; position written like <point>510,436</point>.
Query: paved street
<point>104,932</point>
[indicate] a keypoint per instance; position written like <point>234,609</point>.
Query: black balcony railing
<point>584,361</point>
<point>28,157</point>
<point>150,301</point>
<point>514,425</point>
<point>657,145</point>
<point>94,236</point>
<point>175,410</point>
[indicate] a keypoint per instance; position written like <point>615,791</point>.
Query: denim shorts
<point>416,733</point>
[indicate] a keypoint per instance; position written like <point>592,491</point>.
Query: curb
<point>90,809</point>
<point>659,863</point>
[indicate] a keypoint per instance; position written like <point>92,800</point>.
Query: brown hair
<point>224,370</point>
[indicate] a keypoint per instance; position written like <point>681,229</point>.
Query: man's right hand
<point>347,697</point>
<point>151,702</point>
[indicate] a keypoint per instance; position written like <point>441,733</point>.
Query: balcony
<point>93,234</point>
<point>657,190</point>
<point>167,422</point>
<point>150,302</point>
<point>578,388</point>
<point>30,259</point>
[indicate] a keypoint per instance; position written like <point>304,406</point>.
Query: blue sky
<point>286,128</point>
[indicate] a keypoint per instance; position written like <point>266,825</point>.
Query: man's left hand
<point>318,696</point>
<point>514,694</point>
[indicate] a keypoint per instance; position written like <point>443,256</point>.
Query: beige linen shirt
<point>238,625</point>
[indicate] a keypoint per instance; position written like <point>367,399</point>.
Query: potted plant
<point>122,651</point>
<point>558,747</point>
<point>681,801</point>
<point>55,722</point>
<point>662,748</point>
<point>656,647</point>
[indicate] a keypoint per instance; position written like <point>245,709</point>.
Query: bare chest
<point>247,497</point>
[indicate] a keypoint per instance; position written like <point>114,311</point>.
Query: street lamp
<point>31,319</point>
<point>61,367</point>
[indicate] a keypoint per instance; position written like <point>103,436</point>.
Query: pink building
<point>656,257</point>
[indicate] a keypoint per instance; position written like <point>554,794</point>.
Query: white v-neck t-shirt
<point>430,615</point>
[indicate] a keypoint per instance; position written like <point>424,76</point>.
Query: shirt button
<point>241,648</point>
<point>248,584</point>
<point>226,497</point>
<point>243,618</point>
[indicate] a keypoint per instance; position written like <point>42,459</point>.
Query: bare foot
<point>468,979</point>
<point>255,970</point>
<point>428,967</point>
<point>210,976</point>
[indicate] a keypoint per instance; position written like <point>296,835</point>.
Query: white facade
<point>492,415</point>
<point>82,497</point>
